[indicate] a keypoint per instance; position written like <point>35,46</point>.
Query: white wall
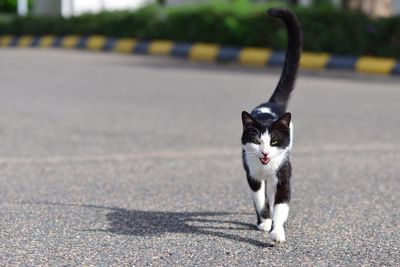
<point>46,7</point>
<point>396,6</point>
<point>77,7</point>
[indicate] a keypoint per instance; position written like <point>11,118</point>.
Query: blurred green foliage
<point>10,6</point>
<point>326,28</point>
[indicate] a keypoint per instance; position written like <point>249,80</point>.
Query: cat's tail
<point>295,43</point>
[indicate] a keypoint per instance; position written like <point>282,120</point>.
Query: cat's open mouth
<point>264,160</point>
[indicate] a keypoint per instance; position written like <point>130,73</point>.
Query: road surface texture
<point>129,160</point>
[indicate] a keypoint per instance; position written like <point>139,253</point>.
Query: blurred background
<point>77,7</point>
<point>373,26</point>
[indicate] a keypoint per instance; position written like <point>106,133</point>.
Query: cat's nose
<point>265,154</point>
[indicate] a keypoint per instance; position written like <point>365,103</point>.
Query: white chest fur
<point>261,172</point>
<point>265,173</point>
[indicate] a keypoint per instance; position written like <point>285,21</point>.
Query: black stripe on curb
<point>396,69</point>
<point>228,54</point>
<point>142,47</point>
<point>341,62</point>
<point>181,50</point>
<point>57,41</point>
<point>276,59</point>
<point>109,44</point>
<point>81,44</point>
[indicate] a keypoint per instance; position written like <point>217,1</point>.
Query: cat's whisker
<point>251,153</point>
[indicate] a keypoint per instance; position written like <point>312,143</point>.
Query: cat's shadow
<point>155,223</point>
<point>149,223</point>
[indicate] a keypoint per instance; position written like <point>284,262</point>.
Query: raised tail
<point>295,43</point>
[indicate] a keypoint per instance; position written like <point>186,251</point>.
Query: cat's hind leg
<point>261,205</point>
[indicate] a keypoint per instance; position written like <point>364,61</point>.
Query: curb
<point>248,56</point>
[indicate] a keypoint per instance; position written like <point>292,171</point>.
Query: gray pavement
<point>119,160</point>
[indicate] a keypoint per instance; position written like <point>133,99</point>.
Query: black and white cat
<point>267,140</point>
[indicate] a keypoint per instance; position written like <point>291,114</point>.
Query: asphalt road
<point>128,160</point>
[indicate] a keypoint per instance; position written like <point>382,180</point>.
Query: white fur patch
<point>278,234</point>
<point>281,212</point>
<point>291,135</point>
<point>265,225</point>
<point>280,216</point>
<point>259,197</point>
<point>264,110</point>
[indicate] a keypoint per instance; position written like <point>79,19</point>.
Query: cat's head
<point>267,141</point>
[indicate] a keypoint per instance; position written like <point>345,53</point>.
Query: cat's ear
<point>247,120</point>
<point>285,119</point>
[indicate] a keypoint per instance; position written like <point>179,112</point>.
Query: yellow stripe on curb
<point>314,60</point>
<point>254,56</point>
<point>46,41</point>
<point>204,52</point>
<point>160,47</point>
<point>25,41</point>
<point>95,42</point>
<point>125,45</point>
<point>375,65</point>
<point>5,40</point>
<point>70,41</point>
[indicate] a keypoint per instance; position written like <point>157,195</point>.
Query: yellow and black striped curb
<point>206,52</point>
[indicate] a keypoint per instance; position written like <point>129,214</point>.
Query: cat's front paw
<point>265,225</point>
<point>277,235</point>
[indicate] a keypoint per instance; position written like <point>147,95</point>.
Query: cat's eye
<point>274,142</point>
<point>256,141</point>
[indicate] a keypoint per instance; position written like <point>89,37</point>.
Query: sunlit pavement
<point>109,159</point>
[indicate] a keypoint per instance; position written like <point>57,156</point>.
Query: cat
<point>267,140</point>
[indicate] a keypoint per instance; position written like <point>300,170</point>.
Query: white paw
<point>277,234</point>
<point>265,225</point>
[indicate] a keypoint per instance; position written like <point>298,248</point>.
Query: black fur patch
<point>283,187</point>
